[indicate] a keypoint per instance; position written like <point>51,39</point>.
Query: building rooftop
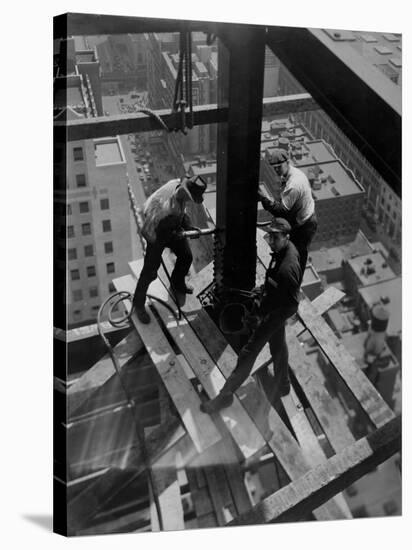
<point>371,268</point>
<point>375,47</point>
<point>391,289</point>
<point>310,276</point>
<point>326,259</point>
<point>335,180</point>
<point>108,151</point>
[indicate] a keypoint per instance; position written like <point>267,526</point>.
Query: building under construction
<point>133,451</point>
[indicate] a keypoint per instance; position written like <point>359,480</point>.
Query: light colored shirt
<point>297,195</point>
<point>161,204</point>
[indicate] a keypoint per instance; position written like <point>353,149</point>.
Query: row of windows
<point>84,206</point>
<point>86,229</point>
<point>77,313</point>
<point>91,271</point>
<point>93,293</point>
<point>89,250</point>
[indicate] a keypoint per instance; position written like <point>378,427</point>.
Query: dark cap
<point>278,225</point>
<point>277,156</point>
<point>196,187</point>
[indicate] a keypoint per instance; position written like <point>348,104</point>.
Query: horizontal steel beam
<point>203,114</point>
<point>87,24</point>
<point>363,103</point>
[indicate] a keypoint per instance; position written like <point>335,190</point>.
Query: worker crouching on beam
<point>295,202</point>
<point>279,301</point>
<point>165,220</point>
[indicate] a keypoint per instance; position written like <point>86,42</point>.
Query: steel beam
<point>97,127</point>
<point>359,99</point>
<point>88,24</point>
<point>240,91</point>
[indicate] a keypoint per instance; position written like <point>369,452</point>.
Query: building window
<point>80,180</point>
<point>86,229</point>
<point>69,209</point>
<point>91,271</point>
<point>88,250</point>
<point>75,274</point>
<point>70,231</point>
<point>110,267</point>
<point>93,292</point>
<point>78,153</point>
<point>77,295</point>
<point>72,253</point>
<point>108,247</point>
<point>84,207</point>
<point>112,288</point>
<point>107,226</point>
<point>104,204</point>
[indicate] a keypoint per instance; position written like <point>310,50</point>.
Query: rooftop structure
<point>370,269</point>
<point>388,292</point>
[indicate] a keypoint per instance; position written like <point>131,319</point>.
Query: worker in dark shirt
<point>295,202</point>
<point>279,301</point>
<point>165,221</point>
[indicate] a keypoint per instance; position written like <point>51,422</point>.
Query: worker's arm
<point>276,207</point>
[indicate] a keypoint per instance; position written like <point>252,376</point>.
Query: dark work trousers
<point>270,330</point>
<point>180,247</point>
<point>302,236</point>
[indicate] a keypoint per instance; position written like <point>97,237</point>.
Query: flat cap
<point>277,156</point>
<point>278,225</point>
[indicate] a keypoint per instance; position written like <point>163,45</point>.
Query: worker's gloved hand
<point>178,234</point>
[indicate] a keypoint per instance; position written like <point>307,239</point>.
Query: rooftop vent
<point>335,191</point>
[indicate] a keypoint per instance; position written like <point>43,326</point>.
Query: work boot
<point>142,315</point>
<point>221,401</point>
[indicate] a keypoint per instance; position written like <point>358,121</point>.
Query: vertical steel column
<point>240,90</point>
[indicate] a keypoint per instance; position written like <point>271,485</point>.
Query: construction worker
<point>165,220</point>
<point>295,203</point>
<point>279,301</point>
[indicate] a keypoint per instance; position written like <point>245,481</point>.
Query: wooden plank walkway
<point>167,489</point>
<point>237,421</point>
<point>187,402</point>
<point>325,480</point>
<point>279,439</point>
<point>361,387</point>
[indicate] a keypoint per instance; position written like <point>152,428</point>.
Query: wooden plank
<point>280,440</point>
<point>364,391</point>
<point>220,495</point>
<point>300,497</point>
<point>208,520</point>
<point>308,441</point>
<point>101,372</point>
<point>167,490</point>
<point>236,420</point>
<point>327,413</point>
<point>187,402</point>
<point>235,479</point>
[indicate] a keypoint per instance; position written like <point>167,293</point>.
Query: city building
<point>365,270</point>
<point>91,196</point>
<point>162,62</point>
<point>383,51</point>
<point>311,283</point>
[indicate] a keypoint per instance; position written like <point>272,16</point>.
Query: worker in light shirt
<point>295,203</point>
